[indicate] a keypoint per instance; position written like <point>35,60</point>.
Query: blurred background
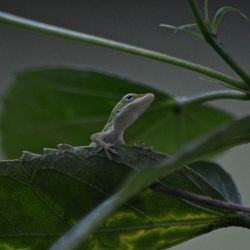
<point>137,23</point>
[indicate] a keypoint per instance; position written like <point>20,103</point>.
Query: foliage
<point>43,195</point>
<point>68,105</point>
<point>141,199</point>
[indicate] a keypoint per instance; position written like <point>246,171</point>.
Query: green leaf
<point>237,132</point>
<point>42,196</point>
<point>45,107</point>
<point>218,178</point>
<point>191,29</point>
<point>220,14</point>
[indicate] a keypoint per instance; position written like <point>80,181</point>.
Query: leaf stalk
<point>201,199</point>
<point>28,24</point>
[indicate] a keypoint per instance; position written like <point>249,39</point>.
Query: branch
<point>102,42</point>
<point>212,40</point>
<point>212,96</point>
<point>201,199</point>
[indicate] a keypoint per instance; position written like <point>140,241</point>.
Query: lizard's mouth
<point>147,98</point>
<point>141,104</point>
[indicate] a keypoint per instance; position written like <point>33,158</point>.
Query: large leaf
<point>219,179</point>
<point>238,132</point>
<point>49,106</point>
<point>43,195</point>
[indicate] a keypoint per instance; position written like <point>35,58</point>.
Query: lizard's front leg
<point>102,145</point>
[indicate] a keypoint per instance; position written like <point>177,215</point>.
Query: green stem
<point>102,42</point>
<point>213,41</point>
<point>206,13</point>
<point>212,96</point>
<point>242,219</point>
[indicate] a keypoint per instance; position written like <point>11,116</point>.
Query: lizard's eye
<point>128,98</point>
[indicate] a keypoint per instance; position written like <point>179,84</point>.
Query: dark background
<point>137,22</point>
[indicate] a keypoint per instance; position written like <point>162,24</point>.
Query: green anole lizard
<point>125,113</point>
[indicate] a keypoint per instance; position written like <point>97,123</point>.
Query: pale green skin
<point>125,113</point>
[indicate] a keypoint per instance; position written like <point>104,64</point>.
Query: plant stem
<point>201,199</point>
<point>206,13</point>
<point>212,96</point>
<point>102,42</point>
<point>213,41</point>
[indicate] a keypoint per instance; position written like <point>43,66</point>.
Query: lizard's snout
<point>150,97</point>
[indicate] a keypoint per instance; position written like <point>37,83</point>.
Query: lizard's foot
<point>107,147</point>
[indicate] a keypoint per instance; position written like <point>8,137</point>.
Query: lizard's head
<point>129,109</point>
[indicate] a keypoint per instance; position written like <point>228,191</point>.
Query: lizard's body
<point>125,113</point>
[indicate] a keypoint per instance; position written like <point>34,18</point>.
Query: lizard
<point>123,115</point>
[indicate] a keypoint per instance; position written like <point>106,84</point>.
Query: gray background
<point>137,22</point>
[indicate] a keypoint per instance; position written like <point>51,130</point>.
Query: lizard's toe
<point>107,147</point>
<point>98,149</point>
<point>113,151</point>
<point>108,150</point>
<point>107,153</point>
